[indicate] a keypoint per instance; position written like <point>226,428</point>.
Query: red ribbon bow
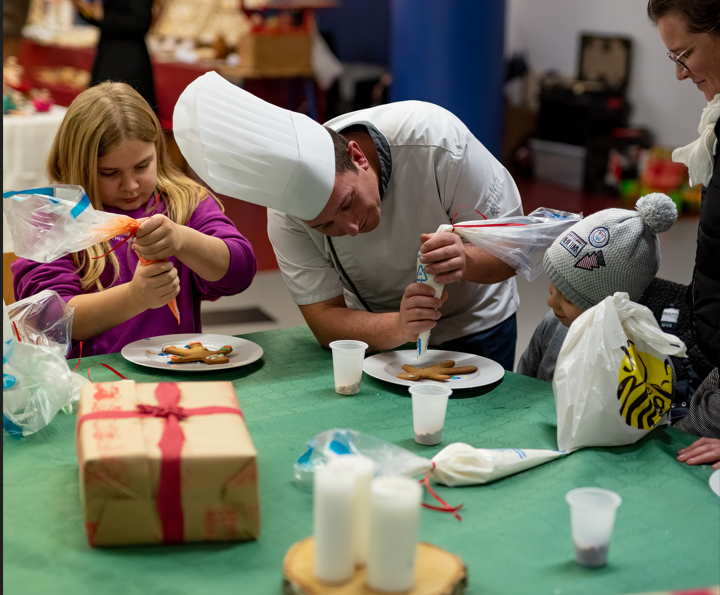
<point>155,411</point>
<point>169,501</point>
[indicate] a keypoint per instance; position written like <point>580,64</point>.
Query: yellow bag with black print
<point>613,381</point>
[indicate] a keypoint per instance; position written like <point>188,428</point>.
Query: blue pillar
<point>450,52</point>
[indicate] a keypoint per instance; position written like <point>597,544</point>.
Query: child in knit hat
<point>609,251</point>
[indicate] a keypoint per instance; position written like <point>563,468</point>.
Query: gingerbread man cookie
<point>442,371</point>
<point>195,352</point>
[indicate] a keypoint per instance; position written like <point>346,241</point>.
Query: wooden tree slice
<point>437,572</point>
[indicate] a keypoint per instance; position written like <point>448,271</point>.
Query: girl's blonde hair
<point>98,121</point>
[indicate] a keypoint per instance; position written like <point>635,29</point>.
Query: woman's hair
<point>700,16</point>
<point>99,120</point>
<point>343,162</point>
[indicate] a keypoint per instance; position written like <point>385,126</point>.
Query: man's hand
<point>419,310</point>
<point>705,450</point>
<point>444,255</point>
<point>158,237</point>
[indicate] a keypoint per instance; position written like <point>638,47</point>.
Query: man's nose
<point>351,226</point>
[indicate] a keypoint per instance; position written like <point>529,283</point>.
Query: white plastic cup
<point>429,404</point>
<point>348,359</point>
<point>592,517</point>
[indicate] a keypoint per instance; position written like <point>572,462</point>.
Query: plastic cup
<point>429,404</point>
<point>348,359</point>
<point>592,516</point>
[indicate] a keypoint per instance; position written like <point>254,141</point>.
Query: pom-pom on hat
<point>611,250</point>
<point>244,147</point>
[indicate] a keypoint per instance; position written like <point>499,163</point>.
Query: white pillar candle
<point>333,522</point>
<point>394,519</point>
<point>364,469</point>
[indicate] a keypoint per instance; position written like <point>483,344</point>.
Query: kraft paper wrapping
<point>120,463</point>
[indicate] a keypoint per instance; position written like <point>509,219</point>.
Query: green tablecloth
<point>514,536</point>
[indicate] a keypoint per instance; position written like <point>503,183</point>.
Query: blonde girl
<point>111,143</point>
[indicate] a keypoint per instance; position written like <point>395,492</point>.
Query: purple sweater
<point>31,277</point>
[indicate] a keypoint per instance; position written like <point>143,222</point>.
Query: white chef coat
<point>432,166</point>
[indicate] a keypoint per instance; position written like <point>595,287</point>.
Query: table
<point>514,536</point>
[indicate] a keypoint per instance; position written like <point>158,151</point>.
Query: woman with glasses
<point>690,29</point>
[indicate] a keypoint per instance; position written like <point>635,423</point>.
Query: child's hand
<point>700,452</point>
<point>158,237</point>
<point>154,285</point>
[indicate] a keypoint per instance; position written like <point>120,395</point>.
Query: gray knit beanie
<point>611,250</point>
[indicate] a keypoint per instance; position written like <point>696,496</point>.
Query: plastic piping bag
<point>428,279</point>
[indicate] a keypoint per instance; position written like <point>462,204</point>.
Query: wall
<point>360,30</point>
<point>549,32</point>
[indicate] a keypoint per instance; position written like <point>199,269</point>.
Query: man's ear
<point>357,155</point>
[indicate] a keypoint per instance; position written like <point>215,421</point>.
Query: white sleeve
<point>306,268</point>
<point>479,181</point>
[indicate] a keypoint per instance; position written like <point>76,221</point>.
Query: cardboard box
<point>276,54</point>
<point>165,463</point>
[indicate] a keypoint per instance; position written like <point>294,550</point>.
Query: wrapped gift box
<point>166,463</point>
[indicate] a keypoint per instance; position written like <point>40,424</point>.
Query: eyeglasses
<point>676,57</point>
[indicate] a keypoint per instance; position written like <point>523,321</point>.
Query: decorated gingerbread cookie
<point>442,371</point>
<point>195,352</point>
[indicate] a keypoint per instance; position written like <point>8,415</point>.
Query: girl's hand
<point>703,451</point>
<point>158,237</point>
<point>154,285</point>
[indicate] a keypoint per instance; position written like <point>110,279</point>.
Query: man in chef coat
<point>352,203</point>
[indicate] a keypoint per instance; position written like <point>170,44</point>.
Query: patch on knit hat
<point>599,237</point>
<point>573,243</point>
<point>591,261</point>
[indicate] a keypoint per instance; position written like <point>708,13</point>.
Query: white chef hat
<point>244,147</point>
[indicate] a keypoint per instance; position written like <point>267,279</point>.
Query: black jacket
<point>705,287</point>
<point>121,54</point>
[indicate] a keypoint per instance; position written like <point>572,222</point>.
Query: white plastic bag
<point>43,319</point>
<point>520,242</point>
<point>460,464</point>
<point>53,221</point>
<point>613,382</point>
<point>426,278</point>
<point>37,383</point>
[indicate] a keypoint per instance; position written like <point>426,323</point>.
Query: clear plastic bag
<point>43,319</point>
<point>520,242</point>
<point>390,459</point>
<point>37,383</point>
<point>54,221</point>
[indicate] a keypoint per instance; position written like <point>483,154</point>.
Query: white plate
<point>145,352</point>
<point>386,366</point>
<point>715,482</point>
